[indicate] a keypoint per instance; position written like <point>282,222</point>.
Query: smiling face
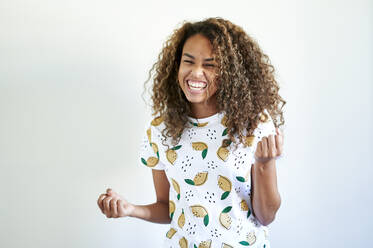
<point>197,70</point>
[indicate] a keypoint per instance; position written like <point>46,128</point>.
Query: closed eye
<point>210,65</point>
<point>188,61</point>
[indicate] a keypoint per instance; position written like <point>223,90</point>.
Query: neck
<point>203,110</point>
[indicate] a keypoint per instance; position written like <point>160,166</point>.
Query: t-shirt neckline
<point>210,119</point>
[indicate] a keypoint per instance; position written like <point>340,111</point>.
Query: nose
<point>197,71</point>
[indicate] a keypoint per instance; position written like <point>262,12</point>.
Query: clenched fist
<point>269,148</point>
<point>114,205</point>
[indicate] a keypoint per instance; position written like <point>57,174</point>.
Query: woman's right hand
<point>114,205</point>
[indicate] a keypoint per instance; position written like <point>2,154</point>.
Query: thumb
<point>109,191</point>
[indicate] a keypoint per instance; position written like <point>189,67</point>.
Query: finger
<point>271,146</point>
<point>279,144</point>
<point>112,193</point>
<point>100,203</point>
<point>113,208</point>
<point>265,147</point>
<point>120,208</point>
<point>277,131</point>
<point>109,191</point>
<point>281,135</point>
<point>107,206</point>
<point>258,151</point>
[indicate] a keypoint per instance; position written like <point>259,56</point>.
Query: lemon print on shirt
<point>171,154</point>
<point>246,178</point>
<point>225,219</point>
<point>183,243</point>
<point>245,207</point>
<point>226,185</point>
<point>224,123</point>
<point>149,134</point>
<point>200,146</point>
<point>155,148</point>
<point>152,161</point>
<point>199,179</point>
<point>204,244</point>
<point>249,140</point>
<point>223,151</point>
<point>200,212</point>
<point>198,124</point>
<point>171,208</point>
<point>157,121</point>
<point>181,220</point>
<point>250,239</point>
<point>176,187</point>
<point>171,233</point>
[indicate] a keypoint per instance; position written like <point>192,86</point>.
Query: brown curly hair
<point>246,84</point>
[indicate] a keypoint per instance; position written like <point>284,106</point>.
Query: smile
<point>196,85</point>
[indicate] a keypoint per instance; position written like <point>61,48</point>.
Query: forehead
<point>198,45</point>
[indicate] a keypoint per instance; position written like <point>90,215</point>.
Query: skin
<point>265,197</point>
<point>113,205</point>
<point>197,64</point>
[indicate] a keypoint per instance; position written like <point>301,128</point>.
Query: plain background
<point>72,117</point>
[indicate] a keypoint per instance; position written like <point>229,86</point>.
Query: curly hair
<point>246,84</point>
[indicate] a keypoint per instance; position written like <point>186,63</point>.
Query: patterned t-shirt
<point>210,183</point>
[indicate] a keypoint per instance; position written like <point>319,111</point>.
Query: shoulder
<point>154,128</point>
<point>155,124</point>
<point>156,121</point>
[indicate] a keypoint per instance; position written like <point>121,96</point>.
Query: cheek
<point>179,78</point>
<point>213,88</point>
<point>213,80</point>
<point>180,75</point>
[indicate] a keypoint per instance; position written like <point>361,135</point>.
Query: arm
<point>265,198</point>
<point>114,205</point>
<point>157,212</point>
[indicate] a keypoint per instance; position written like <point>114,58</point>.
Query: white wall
<point>71,75</point>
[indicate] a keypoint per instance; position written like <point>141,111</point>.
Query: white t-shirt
<point>210,184</point>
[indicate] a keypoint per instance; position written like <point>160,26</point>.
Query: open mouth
<point>195,85</point>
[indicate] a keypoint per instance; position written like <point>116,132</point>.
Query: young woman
<point>214,139</point>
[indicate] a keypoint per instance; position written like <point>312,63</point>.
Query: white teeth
<point>196,84</point>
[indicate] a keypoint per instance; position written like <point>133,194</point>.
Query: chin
<point>196,99</point>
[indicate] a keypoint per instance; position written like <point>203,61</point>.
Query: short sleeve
<point>149,152</point>
<point>265,127</point>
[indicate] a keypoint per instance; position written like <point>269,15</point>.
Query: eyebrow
<point>192,57</point>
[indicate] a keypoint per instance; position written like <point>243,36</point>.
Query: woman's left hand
<point>269,148</point>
